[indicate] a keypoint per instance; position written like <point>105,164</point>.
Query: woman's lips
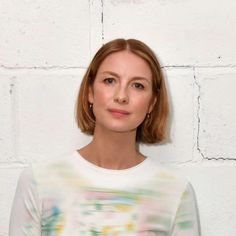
<point>118,112</point>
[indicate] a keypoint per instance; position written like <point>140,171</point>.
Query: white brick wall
<point>45,47</point>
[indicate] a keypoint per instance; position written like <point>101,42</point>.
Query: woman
<point>108,187</point>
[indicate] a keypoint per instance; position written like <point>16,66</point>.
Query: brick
<point>44,34</point>
<point>96,26</point>
<point>217,112</point>
<point>47,126</point>
<point>180,32</point>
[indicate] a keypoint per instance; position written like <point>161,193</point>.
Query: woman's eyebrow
<point>141,78</point>
<point>111,73</point>
<point>133,78</point>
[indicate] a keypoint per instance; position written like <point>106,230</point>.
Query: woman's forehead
<point>125,62</point>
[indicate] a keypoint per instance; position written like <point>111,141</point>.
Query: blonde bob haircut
<point>154,127</point>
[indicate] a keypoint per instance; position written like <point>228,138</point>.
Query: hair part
<point>154,128</point>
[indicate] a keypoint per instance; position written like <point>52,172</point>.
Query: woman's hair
<point>154,127</point>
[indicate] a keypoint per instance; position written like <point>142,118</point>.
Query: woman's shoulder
<point>57,160</point>
<point>54,167</point>
<point>167,174</point>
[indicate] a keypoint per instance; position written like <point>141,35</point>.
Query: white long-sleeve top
<point>73,197</point>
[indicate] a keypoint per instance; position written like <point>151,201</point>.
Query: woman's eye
<point>109,80</point>
<point>138,86</point>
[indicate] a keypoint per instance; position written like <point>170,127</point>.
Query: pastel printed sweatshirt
<point>73,197</point>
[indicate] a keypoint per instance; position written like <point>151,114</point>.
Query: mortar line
<point>13,165</point>
<point>2,67</point>
<point>220,158</point>
<point>14,123</point>
<point>102,20</point>
<point>201,66</point>
<point>90,15</point>
<point>198,112</point>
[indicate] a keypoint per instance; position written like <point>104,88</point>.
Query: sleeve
<point>187,221</point>
<point>25,219</point>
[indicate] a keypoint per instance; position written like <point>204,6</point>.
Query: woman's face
<point>122,92</point>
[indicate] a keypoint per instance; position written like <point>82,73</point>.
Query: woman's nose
<point>121,96</point>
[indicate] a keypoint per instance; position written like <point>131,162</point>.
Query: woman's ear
<point>153,102</point>
<point>90,95</point>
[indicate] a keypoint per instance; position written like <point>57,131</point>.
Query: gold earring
<point>148,115</point>
<point>90,106</point>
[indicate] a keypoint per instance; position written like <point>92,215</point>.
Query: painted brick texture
<point>45,47</point>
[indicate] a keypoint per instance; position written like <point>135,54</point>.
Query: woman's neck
<point>113,150</point>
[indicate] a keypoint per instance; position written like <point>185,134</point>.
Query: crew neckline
<point>100,169</point>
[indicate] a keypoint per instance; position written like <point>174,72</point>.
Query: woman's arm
<point>26,209</point>
<point>187,221</point>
